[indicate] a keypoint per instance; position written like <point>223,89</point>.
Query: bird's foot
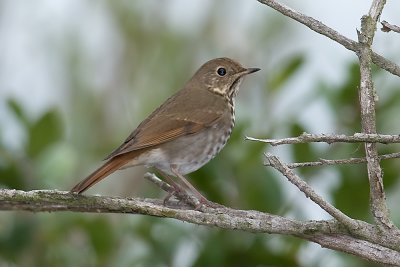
<point>203,202</point>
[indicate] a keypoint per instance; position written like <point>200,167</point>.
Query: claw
<point>208,203</point>
<point>167,198</point>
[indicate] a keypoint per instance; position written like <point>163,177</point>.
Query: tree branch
<point>370,243</point>
<point>367,101</point>
<point>321,28</point>
<point>354,226</point>
<point>368,98</point>
<point>387,27</point>
<point>327,162</point>
<point>331,138</point>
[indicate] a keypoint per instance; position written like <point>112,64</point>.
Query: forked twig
<point>276,163</point>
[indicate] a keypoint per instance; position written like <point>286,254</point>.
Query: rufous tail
<point>109,167</point>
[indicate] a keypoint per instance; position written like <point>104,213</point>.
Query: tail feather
<point>106,169</point>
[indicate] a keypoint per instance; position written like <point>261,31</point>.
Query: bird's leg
<point>176,189</point>
<point>182,178</point>
<point>198,195</point>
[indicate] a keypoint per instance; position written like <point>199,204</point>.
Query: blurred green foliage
<point>284,72</point>
<point>41,134</point>
<point>89,128</point>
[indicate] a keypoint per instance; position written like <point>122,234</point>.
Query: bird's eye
<point>221,71</point>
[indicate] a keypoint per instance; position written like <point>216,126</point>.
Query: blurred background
<point>77,76</point>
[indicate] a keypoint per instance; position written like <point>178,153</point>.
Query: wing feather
<point>160,130</point>
<point>175,118</point>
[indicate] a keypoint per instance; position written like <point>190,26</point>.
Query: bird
<point>185,132</point>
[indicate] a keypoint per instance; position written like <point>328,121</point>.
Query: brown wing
<point>171,120</point>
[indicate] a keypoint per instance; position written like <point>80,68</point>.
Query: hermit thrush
<point>186,131</point>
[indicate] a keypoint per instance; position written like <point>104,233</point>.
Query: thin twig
<point>387,27</point>
<point>321,28</point>
<point>327,162</point>
<point>331,138</point>
<point>160,183</point>
<point>276,163</point>
<point>368,98</point>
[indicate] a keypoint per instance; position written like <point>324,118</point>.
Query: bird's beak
<point>246,71</point>
<point>251,70</point>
